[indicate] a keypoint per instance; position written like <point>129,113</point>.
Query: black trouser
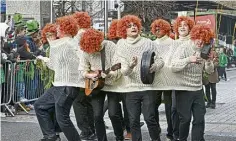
<point>175,117</point>
<point>125,119</point>
<point>84,113</point>
<point>191,103</point>
<point>113,111</point>
<point>59,99</point>
<point>134,102</point>
<point>126,116</point>
<point>211,91</point>
<point>222,72</point>
<point>168,105</point>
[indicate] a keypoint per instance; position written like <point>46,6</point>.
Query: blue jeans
<point>20,86</point>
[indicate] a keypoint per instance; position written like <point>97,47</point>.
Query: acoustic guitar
<point>92,86</point>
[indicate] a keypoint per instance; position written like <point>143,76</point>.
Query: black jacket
<point>24,54</point>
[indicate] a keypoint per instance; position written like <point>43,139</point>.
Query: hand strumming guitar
<point>94,75</point>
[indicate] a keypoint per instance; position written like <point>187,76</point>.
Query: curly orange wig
<point>67,25</point>
<point>202,32</point>
<point>112,31</point>
<point>162,24</point>
<point>188,20</point>
<point>91,40</point>
<point>48,28</point>
<point>83,19</point>
<point>124,22</point>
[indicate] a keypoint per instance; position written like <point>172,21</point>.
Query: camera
<point>206,49</point>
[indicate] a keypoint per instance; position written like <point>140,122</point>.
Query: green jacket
<point>223,61</point>
<point>2,76</point>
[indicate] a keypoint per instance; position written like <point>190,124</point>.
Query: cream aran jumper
<point>64,60</point>
<point>92,62</point>
<point>188,75</point>
<point>79,52</point>
<point>164,46</point>
<point>128,48</point>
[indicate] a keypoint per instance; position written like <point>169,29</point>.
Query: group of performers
<point>79,52</point>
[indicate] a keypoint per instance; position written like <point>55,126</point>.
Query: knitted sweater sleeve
<point>49,64</point>
<point>84,64</point>
<point>120,56</point>
<point>179,60</point>
<point>159,63</point>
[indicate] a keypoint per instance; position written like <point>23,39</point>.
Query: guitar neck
<point>107,71</point>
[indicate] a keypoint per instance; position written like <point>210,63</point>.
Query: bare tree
<point>65,7</point>
<point>148,10</point>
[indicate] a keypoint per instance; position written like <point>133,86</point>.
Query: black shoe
<point>159,139</point>
<point>169,137</point>
<point>141,124</point>
<point>58,138</point>
<point>92,137</point>
<point>208,105</point>
<point>213,105</point>
<point>55,138</point>
<point>83,136</point>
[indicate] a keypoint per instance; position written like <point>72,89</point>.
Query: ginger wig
<point>112,31</point>
<point>178,20</point>
<point>202,32</point>
<point>48,28</point>
<point>83,19</point>
<point>91,41</point>
<point>124,22</point>
<point>68,25</point>
<point>162,24</point>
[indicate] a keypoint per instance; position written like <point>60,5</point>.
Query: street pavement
<point>220,122</point>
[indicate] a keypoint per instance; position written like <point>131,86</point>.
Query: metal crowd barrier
<point>24,86</point>
<point>6,85</point>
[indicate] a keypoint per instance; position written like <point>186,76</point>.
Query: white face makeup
<point>183,29</point>
<point>132,30</point>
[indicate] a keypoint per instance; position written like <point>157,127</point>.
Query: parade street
<point>220,122</point>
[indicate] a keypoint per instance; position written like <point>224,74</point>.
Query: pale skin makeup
<point>183,29</point>
<point>133,32</point>
<point>159,32</point>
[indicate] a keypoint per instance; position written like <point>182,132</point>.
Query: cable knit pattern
<point>79,52</point>
<point>93,62</point>
<point>79,35</point>
<point>162,79</point>
<point>128,48</point>
<point>65,62</point>
<point>188,75</point>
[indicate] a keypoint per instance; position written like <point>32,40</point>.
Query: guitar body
<point>93,86</point>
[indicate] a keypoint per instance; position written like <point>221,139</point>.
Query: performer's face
<point>160,33</point>
<point>51,36</point>
<point>199,43</point>
<point>60,33</point>
<point>183,29</point>
<point>132,30</point>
